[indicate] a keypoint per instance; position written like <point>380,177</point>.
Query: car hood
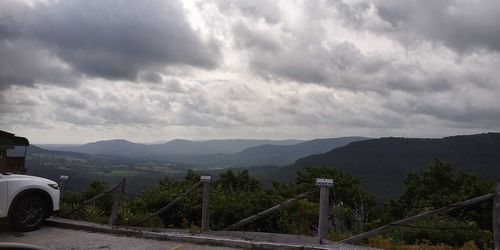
<point>20,177</point>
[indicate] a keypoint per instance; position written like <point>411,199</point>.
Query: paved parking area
<point>66,239</point>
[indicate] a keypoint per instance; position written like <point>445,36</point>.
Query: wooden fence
<point>323,223</point>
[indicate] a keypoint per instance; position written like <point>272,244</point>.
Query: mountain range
<point>215,153</point>
<point>126,148</point>
<point>382,164</point>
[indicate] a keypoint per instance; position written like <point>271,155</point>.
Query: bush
<point>457,234</point>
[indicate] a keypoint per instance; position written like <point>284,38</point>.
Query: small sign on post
<point>205,213</point>
<point>323,225</point>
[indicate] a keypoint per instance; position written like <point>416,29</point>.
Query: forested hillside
<point>383,163</point>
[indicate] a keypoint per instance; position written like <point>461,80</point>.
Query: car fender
<point>19,189</point>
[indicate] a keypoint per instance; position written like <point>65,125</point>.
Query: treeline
<point>237,195</point>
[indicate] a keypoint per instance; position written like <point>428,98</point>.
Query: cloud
<point>464,26</point>
<point>275,52</point>
<point>98,70</point>
<point>24,62</point>
<point>109,39</point>
<point>258,9</point>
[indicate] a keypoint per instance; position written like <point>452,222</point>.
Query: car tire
<point>28,213</point>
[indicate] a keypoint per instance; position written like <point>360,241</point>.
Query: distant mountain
<point>283,155</point>
<point>35,152</point>
<point>216,153</point>
<point>176,147</point>
<point>110,147</point>
<point>262,155</point>
<point>186,147</point>
<point>383,163</point>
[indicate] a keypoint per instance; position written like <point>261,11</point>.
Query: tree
<point>236,196</point>
<point>350,205</point>
<point>438,186</point>
<point>94,188</point>
<point>346,189</point>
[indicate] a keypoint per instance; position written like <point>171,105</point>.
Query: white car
<point>26,201</point>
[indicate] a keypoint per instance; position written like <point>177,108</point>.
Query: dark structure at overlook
<point>8,163</point>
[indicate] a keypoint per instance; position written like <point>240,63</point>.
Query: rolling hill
<point>383,163</point>
<point>84,168</point>
<point>216,153</point>
<point>175,147</point>
<point>283,155</point>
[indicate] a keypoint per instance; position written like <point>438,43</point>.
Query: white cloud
<point>280,69</point>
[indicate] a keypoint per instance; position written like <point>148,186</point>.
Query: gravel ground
<point>65,239</point>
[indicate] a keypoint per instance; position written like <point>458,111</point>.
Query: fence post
<point>205,213</point>
<point>63,179</point>
<point>116,203</point>
<point>496,216</point>
<point>324,203</point>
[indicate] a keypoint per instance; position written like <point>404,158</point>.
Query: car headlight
<point>54,186</point>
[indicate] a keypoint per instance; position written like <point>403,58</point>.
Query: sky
<point>80,71</point>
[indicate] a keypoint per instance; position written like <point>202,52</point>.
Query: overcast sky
<point>80,71</point>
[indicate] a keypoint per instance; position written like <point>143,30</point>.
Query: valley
<point>381,164</point>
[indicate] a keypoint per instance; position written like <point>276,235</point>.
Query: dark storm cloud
<point>456,113</point>
<point>23,62</point>
<point>152,77</point>
<point>486,116</point>
<point>110,39</point>
<point>461,25</point>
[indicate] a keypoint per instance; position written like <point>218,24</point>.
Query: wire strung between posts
<point>267,211</point>
<point>163,209</point>
<point>403,206</point>
<point>416,206</point>
<point>435,228</point>
<point>420,216</point>
<point>253,195</point>
<point>111,189</point>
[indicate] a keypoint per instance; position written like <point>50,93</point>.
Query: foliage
<point>351,206</point>
<point>94,213</point>
<point>95,188</point>
<point>438,186</point>
<point>167,191</point>
<point>444,229</point>
<point>346,189</point>
<point>236,195</point>
<point>384,162</point>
